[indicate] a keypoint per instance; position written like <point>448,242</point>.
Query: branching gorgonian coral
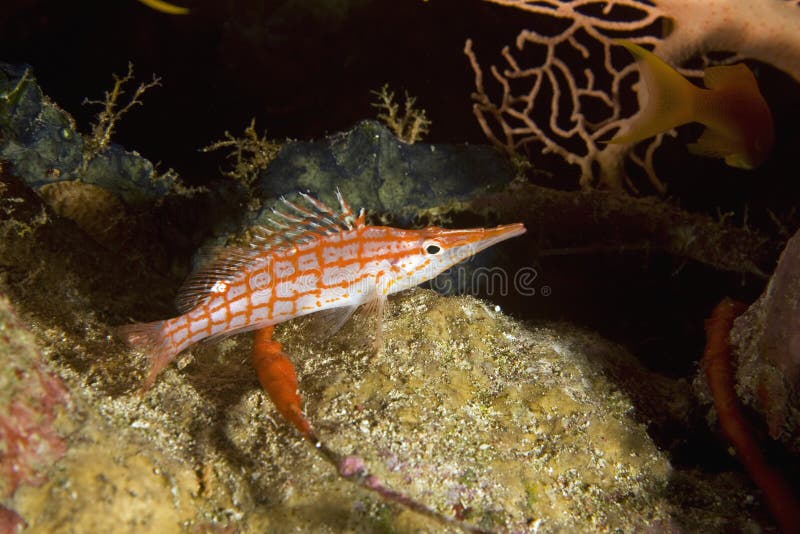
<point>559,89</point>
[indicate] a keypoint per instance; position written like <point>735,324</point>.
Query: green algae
<point>43,143</point>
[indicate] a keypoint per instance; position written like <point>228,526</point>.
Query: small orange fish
<point>738,121</point>
<point>315,260</point>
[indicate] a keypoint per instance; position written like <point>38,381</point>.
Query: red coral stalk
<point>718,368</point>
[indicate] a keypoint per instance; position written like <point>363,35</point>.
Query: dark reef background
<point>301,68</point>
<point>304,69</point>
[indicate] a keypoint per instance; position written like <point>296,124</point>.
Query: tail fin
<point>669,98</point>
<point>149,338</point>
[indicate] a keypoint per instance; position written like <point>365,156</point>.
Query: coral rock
<point>97,211</point>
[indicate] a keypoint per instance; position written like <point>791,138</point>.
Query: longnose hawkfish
<point>313,260</point>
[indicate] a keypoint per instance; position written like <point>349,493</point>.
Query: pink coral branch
<point>354,469</point>
<point>567,128</point>
<point>29,443</point>
<point>765,30</point>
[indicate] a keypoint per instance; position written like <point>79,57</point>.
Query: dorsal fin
<point>217,264</point>
<point>713,143</point>
<point>737,76</point>
<point>297,224</point>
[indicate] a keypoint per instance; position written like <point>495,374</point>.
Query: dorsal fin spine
<point>347,213</point>
<point>277,224</point>
<point>287,216</point>
<point>321,206</point>
<point>298,209</point>
<point>288,230</point>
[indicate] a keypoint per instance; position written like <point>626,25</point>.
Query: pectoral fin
<point>326,323</point>
<point>373,307</point>
<point>713,143</point>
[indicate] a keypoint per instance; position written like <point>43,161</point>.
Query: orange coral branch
<point>278,378</point>
<point>716,363</point>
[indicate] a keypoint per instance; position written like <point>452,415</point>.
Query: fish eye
<point>432,248</point>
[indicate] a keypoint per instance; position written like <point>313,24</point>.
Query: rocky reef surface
<point>767,350</point>
<point>506,425</point>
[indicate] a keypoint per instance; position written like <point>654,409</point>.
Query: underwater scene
<point>497,266</point>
